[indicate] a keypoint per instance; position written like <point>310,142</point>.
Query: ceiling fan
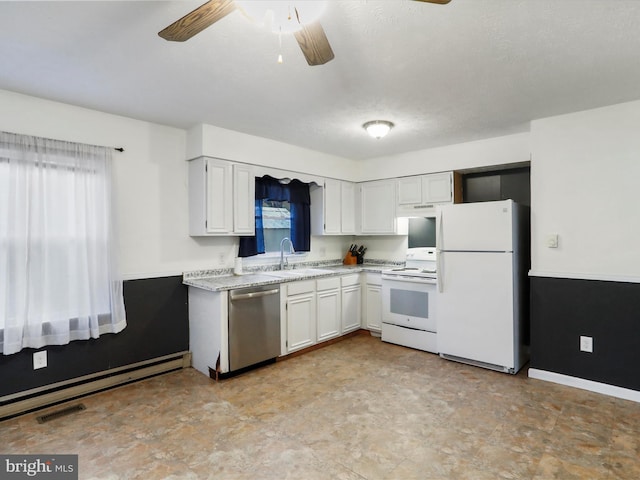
<point>310,36</point>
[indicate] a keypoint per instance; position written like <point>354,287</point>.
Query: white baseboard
<point>606,389</point>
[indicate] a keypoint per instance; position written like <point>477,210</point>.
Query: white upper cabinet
<point>218,197</point>
<point>377,207</point>
<point>333,208</point>
<point>348,211</point>
<point>221,198</point>
<point>437,188</point>
<point>410,190</point>
<point>244,192</point>
<point>421,193</point>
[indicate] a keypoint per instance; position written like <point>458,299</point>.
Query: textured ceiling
<point>468,70</point>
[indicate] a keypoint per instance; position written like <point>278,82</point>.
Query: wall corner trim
<point>597,387</point>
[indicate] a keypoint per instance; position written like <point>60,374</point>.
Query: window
<point>276,223</point>
<point>273,199</point>
<point>56,260</point>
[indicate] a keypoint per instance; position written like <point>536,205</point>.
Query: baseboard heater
<point>22,402</point>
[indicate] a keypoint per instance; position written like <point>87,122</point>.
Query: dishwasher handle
<point>247,296</point>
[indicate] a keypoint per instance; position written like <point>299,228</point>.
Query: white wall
<point>289,160</point>
<point>240,147</point>
<point>585,178</point>
<point>149,178</point>
<point>150,181</point>
<point>481,153</point>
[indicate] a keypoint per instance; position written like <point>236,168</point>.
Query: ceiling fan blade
<point>439,2</point>
<point>196,21</point>
<point>314,44</point>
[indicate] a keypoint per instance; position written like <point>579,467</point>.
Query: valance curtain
<point>58,277</point>
<point>297,194</point>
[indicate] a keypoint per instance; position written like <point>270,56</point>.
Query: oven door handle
<point>409,279</point>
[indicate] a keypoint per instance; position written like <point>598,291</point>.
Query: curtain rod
<point>118,149</point>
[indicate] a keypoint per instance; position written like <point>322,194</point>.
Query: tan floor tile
<point>356,410</point>
<point>553,468</point>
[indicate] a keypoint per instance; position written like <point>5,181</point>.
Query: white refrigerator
<point>481,264</point>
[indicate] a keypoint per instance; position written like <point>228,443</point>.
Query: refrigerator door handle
<point>440,270</point>
<point>440,239</point>
<point>439,260</point>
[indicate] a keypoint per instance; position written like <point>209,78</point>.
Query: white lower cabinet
<point>300,308</point>
<point>314,311</point>
<point>208,330</point>
<point>328,308</point>
<point>351,297</point>
<point>372,302</point>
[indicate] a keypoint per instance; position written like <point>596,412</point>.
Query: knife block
<point>349,259</point>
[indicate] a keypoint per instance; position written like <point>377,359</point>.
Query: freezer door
<point>484,226</point>
<point>476,307</point>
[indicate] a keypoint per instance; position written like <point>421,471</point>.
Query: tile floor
<point>358,409</point>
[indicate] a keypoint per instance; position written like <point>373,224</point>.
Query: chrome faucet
<point>283,260</point>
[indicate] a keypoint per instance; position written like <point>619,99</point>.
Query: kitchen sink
<point>300,272</point>
<point>314,271</point>
<point>282,273</point>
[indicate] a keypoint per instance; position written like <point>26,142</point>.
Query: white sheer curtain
<point>58,277</point>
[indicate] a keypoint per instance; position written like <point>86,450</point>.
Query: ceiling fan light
<point>280,15</point>
<point>378,128</point>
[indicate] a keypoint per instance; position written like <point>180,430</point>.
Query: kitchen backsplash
<point>275,266</point>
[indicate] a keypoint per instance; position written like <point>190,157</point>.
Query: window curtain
<point>58,276</point>
<point>250,246</point>
<point>300,202</point>
<point>294,192</point>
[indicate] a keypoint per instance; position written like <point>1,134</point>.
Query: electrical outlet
<point>221,258</point>
<point>552,240</point>
<point>40,359</point>
<point>586,344</point>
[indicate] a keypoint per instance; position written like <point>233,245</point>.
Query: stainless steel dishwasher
<point>254,325</point>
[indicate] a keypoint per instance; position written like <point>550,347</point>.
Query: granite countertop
<point>217,281</point>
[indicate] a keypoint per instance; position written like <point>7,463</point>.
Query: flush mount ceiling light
<point>378,128</point>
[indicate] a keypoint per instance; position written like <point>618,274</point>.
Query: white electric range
<point>409,302</point>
